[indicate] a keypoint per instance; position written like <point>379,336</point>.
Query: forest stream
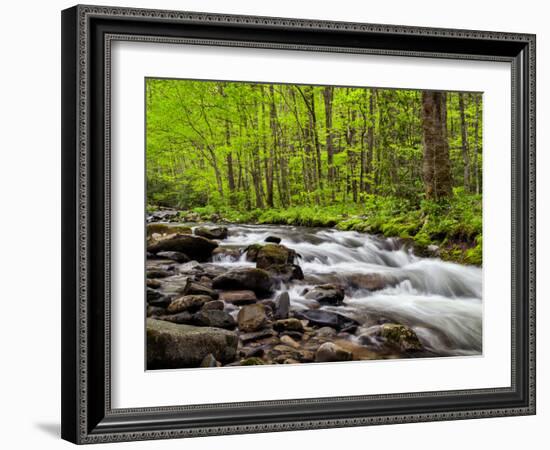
<point>345,286</point>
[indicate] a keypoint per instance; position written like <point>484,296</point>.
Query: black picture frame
<point>87,416</point>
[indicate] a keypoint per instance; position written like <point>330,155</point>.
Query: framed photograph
<point>279,224</point>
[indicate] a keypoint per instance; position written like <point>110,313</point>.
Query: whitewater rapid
<point>441,301</point>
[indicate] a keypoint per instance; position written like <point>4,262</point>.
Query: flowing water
<point>440,301</point>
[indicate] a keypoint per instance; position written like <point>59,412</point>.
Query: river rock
<point>193,288</point>
<point>274,255</point>
<point>232,253</point>
<point>248,278</point>
<point>155,311</point>
<point>195,247</point>
<point>153,283</point>
<point>152,294</point>
<point>252,252</point>
<point>212,233</point>
<point>330,352</point>
<point>273,239</point>
<point>247,352</point>
<point>214,305</point>
<point>371,281</point>
<point>286,272</point>
<point>252,318</point>
<point>253,361</point>
<point>165,228</point>
<point>324,318</point>
<point>282,306</point>
<point>163,301</point>
<point>158,273</point>
<point>244,297</point>
<point>212,270</point>
<point>174,256</point>
<point>326,332</point>
<point>209,361</point>
<point>358,352</point>
<point>189,303</point>
<point>171,345</point>
<point>287,340</point>
<point>290,324</point>
<point>214,318</point>
<point>161,214</point>
<point>296,335</point>
<point>327,294</point>
<point>401,335</point>
<point>257,335</point>
<point>182,317</point>
<point>392,334</point>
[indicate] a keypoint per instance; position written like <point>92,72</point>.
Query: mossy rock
<point>165,228</point>
<point>171,345</point>
<point>252,361</point>
<point>401,336</point>
<point>274,255</point>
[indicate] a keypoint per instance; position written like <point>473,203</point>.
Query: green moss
<point>454,225</point>
<point>253,361</point>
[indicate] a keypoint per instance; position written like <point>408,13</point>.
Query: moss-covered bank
<point>454,226</point>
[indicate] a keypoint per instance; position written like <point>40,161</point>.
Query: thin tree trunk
<point>477,172</point>
<point>464,138</point>
<point>328,93</point>
<point>370,140</point>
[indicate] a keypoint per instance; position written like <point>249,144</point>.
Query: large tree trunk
<point>465,147</point>
<point>436,166</point>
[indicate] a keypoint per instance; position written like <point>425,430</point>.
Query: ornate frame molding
<point>78,424</point>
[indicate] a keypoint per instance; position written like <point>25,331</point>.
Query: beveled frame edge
<point>76,220</point>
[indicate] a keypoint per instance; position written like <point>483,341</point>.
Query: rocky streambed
<point>249,295</point>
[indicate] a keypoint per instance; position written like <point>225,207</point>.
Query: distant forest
<point>249,145</point>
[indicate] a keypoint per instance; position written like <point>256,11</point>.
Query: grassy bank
<point>455,226</point>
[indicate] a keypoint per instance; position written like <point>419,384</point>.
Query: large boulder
<point>212,233</point>
<point>274,255</point>
<point>252,318</point>
<point>327,294</point>
<point>195,247</point>
<point>171,345</point>
<point>248,278</point>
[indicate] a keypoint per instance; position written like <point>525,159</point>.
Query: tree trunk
<point>477,172</point>
<point>464,138</point>
<point>436,165</point>
<point>328,95</point>
<point>370,140</point>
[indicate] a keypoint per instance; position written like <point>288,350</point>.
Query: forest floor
<point>451,230</point>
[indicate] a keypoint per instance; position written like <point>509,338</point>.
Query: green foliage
<point>314,156</point>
